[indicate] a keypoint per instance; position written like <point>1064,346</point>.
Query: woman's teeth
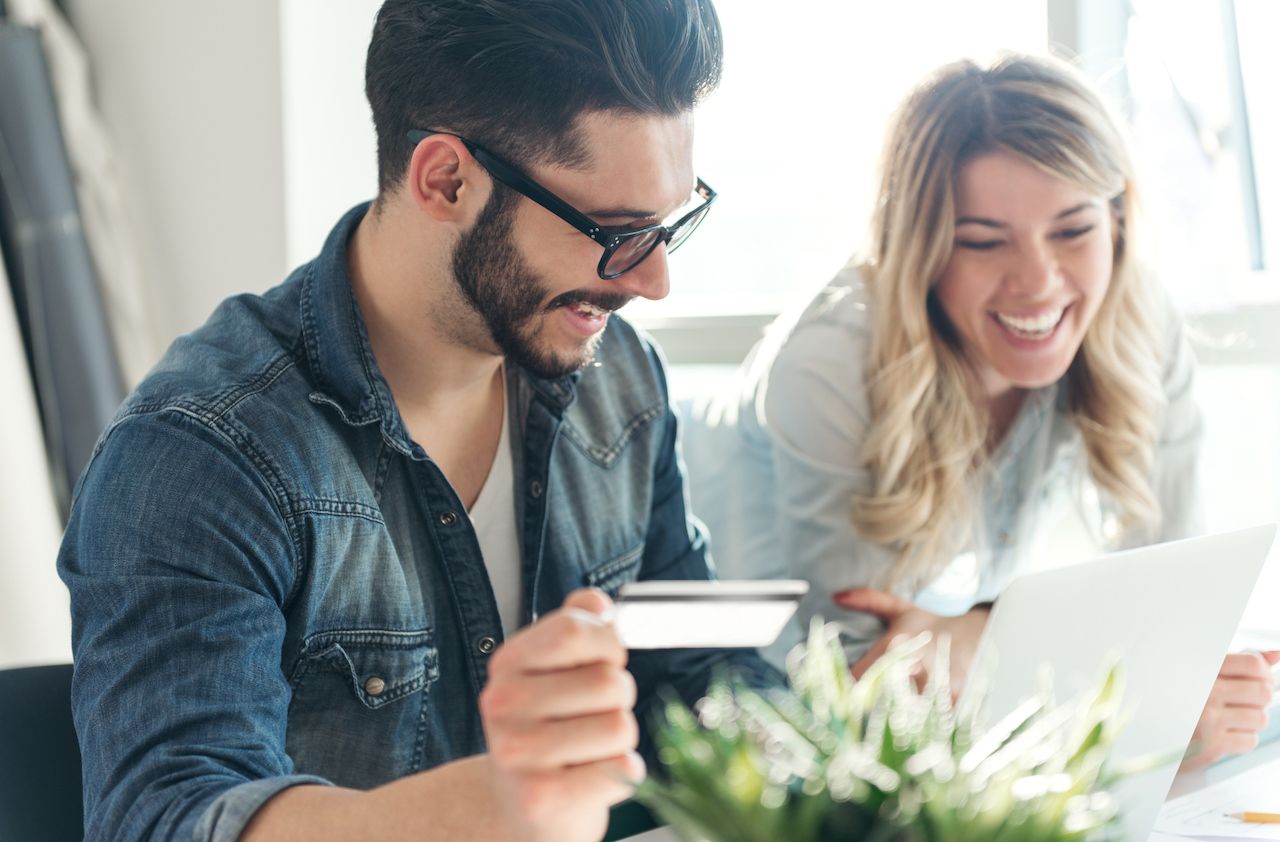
<point>1036,327</point>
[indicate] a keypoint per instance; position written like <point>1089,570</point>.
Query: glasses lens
<point>682,231</point>
<point>631,251</point>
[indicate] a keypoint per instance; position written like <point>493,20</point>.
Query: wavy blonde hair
<point>929,438</point>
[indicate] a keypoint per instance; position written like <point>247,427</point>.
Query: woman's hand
<point>1236,711</point>
<point>905,619</point>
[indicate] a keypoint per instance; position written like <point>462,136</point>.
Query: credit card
<point>686,614</point>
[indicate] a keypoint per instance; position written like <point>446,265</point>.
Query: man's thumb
<point>591,600</point>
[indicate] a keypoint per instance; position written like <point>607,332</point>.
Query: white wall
<point>35,623</point>
<point>191,93</point>
<point>330,147</point>
<point>1258,22</point>
<point>243,135</point>
<point>237,149</point>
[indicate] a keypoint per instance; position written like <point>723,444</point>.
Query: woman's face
<point>1029,267</point>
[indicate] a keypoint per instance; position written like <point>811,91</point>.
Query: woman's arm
<point>814,406</point>
<point>1177,455</point>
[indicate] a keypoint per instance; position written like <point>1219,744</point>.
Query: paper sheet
<point>1206,812</point>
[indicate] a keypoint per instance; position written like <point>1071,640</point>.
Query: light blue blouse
<point>774,466</point>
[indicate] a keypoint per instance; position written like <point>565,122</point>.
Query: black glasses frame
<point>611,241</point>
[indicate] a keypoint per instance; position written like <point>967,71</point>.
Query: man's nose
<point>649,279</point>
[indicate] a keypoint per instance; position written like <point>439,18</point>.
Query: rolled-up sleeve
<point>180,560</point>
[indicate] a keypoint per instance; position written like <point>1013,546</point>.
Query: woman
<point>995,369</point>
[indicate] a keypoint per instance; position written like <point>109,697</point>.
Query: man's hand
<point>1236,711</point>
<point>557,714</point>
<point>904,619</point>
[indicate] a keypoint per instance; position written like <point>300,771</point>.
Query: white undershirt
<point>493,516</point>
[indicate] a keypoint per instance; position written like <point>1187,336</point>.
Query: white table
<point>1189,783</point>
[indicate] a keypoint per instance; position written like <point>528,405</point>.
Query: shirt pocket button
<point>374,686</point>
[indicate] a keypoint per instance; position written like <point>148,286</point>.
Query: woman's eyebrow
<point>980,220</point>
<point>1077,208</point>
<point>993,223</point>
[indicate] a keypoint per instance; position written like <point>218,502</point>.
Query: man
<point>300,547</point>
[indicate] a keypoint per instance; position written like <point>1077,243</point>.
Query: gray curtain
<point>77,377</point>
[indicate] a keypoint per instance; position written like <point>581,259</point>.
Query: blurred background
<point>157,156</point>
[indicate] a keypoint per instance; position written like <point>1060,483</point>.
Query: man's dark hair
<point>513,75</point>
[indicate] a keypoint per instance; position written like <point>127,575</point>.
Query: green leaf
<point>880,759</point>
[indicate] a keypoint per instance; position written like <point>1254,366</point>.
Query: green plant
<point>881,759</point>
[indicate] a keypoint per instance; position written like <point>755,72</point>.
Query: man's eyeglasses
<point>623,248</point>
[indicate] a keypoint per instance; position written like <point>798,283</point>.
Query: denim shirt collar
<point>341,356</point>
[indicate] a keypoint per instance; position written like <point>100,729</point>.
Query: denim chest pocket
<point>604,439</point>
<point>358,704</point>
<point>617,571</point>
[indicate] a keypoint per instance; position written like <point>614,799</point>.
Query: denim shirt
<point>272,584</point>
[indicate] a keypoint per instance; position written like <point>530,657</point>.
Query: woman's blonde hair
<point>929,437</point>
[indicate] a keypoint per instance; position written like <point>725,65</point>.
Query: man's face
<point>532,277</point>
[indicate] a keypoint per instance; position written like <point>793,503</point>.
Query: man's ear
<point>445,181</point>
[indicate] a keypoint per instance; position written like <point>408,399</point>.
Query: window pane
<point>792,138</point>
<point>1188,144</point>
<point>1258,22</point>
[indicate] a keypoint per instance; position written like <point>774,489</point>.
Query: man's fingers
<point>565,742</point>
<point>629,767</point>
<point>625,769</point>
<point>593,688</point>
<point>884,605</point>
<point>1271,656</point>
<point>566,638</point>
<point>606,781</point>
<point>591,600</point>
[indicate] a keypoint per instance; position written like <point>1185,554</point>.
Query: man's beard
<point>509,295</point>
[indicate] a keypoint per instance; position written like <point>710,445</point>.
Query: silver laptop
<point>1166,612</point>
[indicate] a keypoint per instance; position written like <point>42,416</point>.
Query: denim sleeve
<point>675,548</point>
<point>179,562</point>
